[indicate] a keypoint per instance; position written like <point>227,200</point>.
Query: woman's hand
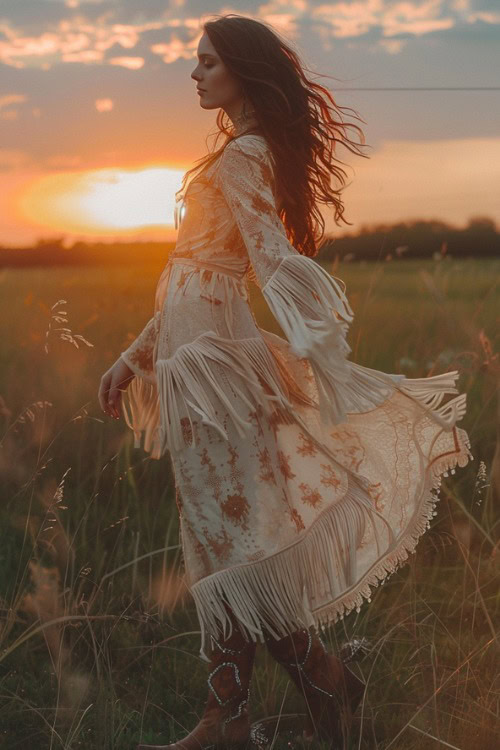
<point>113,382</point>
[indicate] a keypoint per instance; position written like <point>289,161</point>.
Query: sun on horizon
<point>102,202</point>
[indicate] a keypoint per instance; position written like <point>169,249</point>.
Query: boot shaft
<point>331,691</point>
<point>224,724</point>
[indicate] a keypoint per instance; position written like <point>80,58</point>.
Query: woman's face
<point>216,86</point>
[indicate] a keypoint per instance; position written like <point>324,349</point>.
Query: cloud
<point>284,15</point>
<point>176,48</point>
<point>85,56</point>
<point>43,33</point>
<point>411,18</point>
<point>77,38</point>
<point>8,99</point>
<point>132,63</point>
<point>17,47</point>
<point>104,105</point>
<point>353,19</point>
<point>348,19</point>
<point>392,46</point>
<point>485,16</point>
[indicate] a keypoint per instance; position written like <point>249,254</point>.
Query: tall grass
<point>98,639</point>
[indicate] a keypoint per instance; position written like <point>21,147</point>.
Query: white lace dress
<point>303,479</point>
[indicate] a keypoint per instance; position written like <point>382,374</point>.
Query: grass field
<point>98,640</point>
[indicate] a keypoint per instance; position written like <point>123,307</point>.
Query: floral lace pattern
<point>140,355</point>
<point>302,478</point>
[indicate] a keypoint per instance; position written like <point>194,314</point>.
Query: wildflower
<point>51,516</point>
<point>58,316</point>
<point>29,411</point>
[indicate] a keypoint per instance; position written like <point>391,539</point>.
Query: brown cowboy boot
<point>331,691</point>
<point>225,723</point>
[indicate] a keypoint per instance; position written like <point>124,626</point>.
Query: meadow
<point>98,637</point>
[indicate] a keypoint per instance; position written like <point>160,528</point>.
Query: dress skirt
<point>287,522</point>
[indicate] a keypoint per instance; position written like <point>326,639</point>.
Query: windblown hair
<point>299,119</point>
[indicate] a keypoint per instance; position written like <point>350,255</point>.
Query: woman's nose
<point>195,75</point>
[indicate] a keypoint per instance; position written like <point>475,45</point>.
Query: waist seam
<point>196,265</point>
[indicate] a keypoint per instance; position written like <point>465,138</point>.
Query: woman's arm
<point>140,354</point>
<point>309,304</point>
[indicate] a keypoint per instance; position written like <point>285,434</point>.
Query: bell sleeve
<point>309,304</point>
<point>140,354</point>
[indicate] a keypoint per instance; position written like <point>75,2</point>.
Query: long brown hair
<point>299,118</point>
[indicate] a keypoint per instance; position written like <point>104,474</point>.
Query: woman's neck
<point>245,120</point>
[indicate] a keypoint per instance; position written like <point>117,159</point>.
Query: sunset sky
<point>99,116</point>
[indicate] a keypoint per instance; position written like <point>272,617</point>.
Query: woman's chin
<point>206,103</point>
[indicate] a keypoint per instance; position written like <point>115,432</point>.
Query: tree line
<point>413,239</point>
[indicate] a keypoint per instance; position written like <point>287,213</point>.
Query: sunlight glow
<point>104,201</point>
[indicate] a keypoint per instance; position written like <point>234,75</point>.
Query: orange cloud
<point>284,15</point>
<point>85,56</point>
<point>392,46</point>
<point>104,105</point>
<point>24,46</point>
<point>407,18</point>
<point>132,63</point>
<point>8,99</point>
<point>485,16</point>
<point>285,23</point>
<point>76,39</point>
<point>126,36</point>
<point>350,19</point>
<point>176,48</point>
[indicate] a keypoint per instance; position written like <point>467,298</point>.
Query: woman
<point>303,479</point>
